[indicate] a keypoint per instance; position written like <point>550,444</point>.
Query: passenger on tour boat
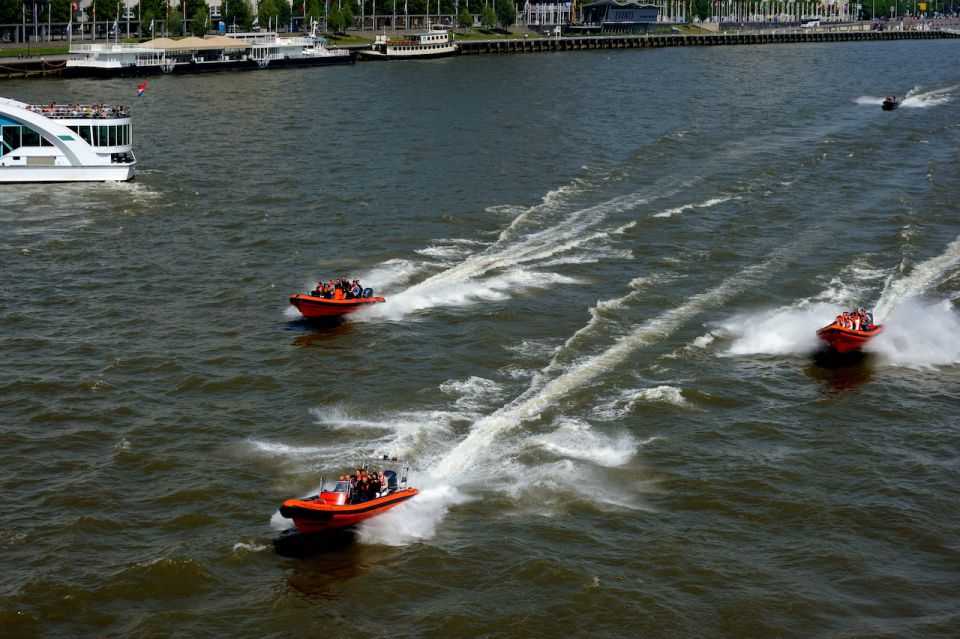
<point>858,320</point>
<point>364,486</point>
<point>341,289</point>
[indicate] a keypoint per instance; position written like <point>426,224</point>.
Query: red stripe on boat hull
<point>844,340</point>
<point>312,516</point>
<point>312,307</point>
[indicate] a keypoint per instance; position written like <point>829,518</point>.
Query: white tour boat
<point>198,55</point>
<point>65,143</point>
<point>432,43</point>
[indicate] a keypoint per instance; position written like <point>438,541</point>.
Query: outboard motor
<point>368,292</point>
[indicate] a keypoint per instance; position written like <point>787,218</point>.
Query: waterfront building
<point>610,16</point>
<point>544,15</point>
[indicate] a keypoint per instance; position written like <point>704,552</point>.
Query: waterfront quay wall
<point>471,47</point>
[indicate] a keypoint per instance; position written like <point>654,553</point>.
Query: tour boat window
<point>84,132</point>
<point>11,137</point>
<point>113,135</point>
<point>30,137</point>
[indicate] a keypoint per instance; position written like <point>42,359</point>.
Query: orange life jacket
<point>338,294</point>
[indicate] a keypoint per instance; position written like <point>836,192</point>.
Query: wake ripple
<point>535,400</point>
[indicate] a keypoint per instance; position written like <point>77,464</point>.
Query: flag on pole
<point>140,89</point>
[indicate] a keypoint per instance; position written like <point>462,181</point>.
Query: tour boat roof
<point>194,43</point>
<point>72,111</point>
<point>226,42</point>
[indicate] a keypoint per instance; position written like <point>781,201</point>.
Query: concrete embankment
<point>32,67</point>
<point>53,65</point>
<point>472,47</point>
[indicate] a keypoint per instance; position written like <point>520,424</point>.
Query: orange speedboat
<point>340,504</point>
<point>314,306</point>
<point>845,335</point>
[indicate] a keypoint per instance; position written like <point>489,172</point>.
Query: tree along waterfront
<point>152,18</point>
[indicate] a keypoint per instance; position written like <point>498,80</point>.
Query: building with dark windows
<point>544,15</point>
<point>610,16</point>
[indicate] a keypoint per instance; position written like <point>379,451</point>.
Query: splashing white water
<point>414,520</point>
<point>918,335</point>
<point>781,331</point>
<point>918,99</point>
<point>914,99</point>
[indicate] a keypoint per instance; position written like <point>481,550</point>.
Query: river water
<point>603,270</point>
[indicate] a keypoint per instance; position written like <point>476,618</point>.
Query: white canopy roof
<point>195,44</point>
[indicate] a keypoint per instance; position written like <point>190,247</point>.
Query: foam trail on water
<point>551,200</point>
<point>492,273</point>
<point>532,403</point>
<point>686,207</point>
<point>624,404</point>
<point>598,312</point>
<point>921,278</point>
<point>464,293</point>
<point>392,273</point>
<point>576,440</point>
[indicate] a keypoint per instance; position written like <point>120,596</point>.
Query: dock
<point>579,43</point>
<point>54,65</point>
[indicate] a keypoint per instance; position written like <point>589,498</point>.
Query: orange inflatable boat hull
<point>844,340</point>
<point>327,511</point>
<point>312,307</point>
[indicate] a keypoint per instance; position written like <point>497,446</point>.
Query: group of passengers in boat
<point>858,319</point>
<point>54,110</point>
<point>341,289</point>
<point>365,485</point>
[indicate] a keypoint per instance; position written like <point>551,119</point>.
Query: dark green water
<point>604,272</point>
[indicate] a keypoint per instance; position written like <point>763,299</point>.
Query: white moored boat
<point>65,143</point>
<point>432,43</point>
<point>199,55</point>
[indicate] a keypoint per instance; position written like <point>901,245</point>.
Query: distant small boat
<point>312,306</point>
<point>890,103</point>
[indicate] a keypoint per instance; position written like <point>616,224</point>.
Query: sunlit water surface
<point>604,271</point>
